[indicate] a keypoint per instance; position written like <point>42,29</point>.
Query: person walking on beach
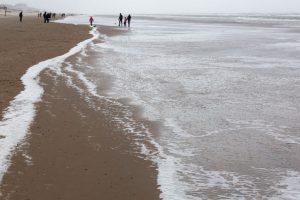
<point>21,16</point>
<point>129,19</point>
<point>125,21</point>
<point>45,17</point>
<point>120,19</point>
<point>91,20</point>
<point>48,17</point>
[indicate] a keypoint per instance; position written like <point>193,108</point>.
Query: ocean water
<point>223,90</point>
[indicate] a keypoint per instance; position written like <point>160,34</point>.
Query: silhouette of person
<point>129,20</point>
<point>45,17</point>
<point>120,19</point>
<point>125,21</point>
<point>91,20</point>
<point>48,17</point>
<point>21,16</point>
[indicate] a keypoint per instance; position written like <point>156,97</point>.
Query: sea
<point>222,90</point>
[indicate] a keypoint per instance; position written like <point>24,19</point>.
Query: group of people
<point>47,17</point>
<point>51,15</point>
<point>127,20</point>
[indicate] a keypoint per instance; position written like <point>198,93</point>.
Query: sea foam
<point>21,112</point>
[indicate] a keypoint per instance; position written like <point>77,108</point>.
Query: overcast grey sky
<point>163,6</point>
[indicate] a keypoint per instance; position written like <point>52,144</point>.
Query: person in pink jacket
<point>91,20</point>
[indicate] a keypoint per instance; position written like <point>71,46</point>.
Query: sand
<point>72,151</point>
<point>25,44</point>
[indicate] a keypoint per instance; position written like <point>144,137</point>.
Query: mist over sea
<point>225,91</point>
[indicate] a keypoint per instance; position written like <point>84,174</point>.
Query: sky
<point>163,6</point>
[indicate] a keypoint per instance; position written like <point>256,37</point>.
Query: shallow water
<point>225,89</point>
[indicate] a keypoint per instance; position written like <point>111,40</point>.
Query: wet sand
<point>75,151</point>
<point>25,44</point>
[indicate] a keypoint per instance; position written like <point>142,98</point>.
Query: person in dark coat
<point>45,17</point>
<point>21,16</point>
<point>120,19</point>
<point>129,20</point>
<point>48,17</point>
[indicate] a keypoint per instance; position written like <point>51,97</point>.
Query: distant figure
<point>48,17</point>
<point>129,19</point>
<point>45,17</point>
<point>125,21</point>
<point>21,16</point>
<point>91,20</point>
<point>120,19</point>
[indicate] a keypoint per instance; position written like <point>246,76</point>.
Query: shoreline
<point>25,44</point>
<point>58,156</point>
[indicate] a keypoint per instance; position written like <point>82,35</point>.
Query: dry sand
<point>72,152</point>
<point>25,44</point>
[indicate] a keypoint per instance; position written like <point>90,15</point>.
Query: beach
<point>71,150</point>
<point>223,90</point>
<point>25,44</point>
<point>175,107</point>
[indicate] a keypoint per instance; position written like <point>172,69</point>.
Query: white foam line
<point>21,112</point>
<point>92,88</point>
<point>166,164</point>
<point>167,178</point>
